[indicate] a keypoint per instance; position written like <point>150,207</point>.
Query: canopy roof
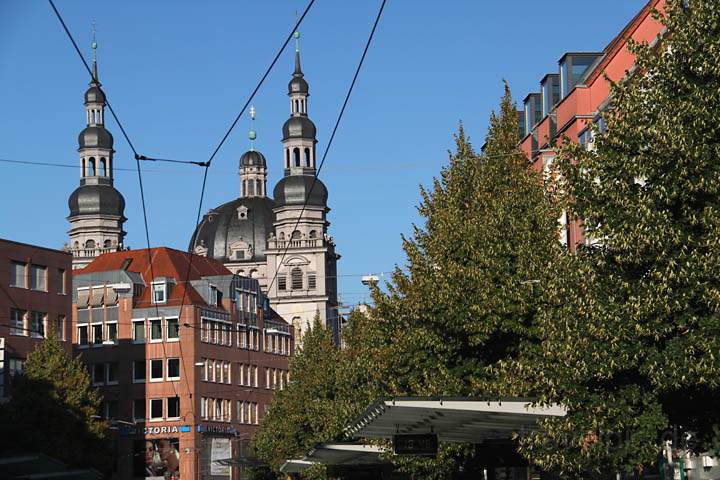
<point>336,454</point>
<point>464,420</point>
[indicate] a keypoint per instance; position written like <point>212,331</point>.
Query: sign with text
<point>416,444</point>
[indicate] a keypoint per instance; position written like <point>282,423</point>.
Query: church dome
<point>298,127</point>
<point>253,158</point>
<point>293,189</point>
<point>94,94</point>
<point>243,222</point>
<point>95,137</point>
<point>96,199</point>
<point>298,84</point>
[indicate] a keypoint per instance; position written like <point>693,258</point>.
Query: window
<point>17,275</point>
<point>82,337</point>
<point>296,278</point>
<point>138,409</point>
<point>213,299</point>
<point>138,371</point>
<point>156,330</point>
<point>173,368</point>
<point>15,366</point>
<point>218,413</point>
<point>17,322</point>
<point>111,410</point>
<point>159,291</point>
<point>37,324</point>
<point>204,407</point>
<point>173,408</point>
<point>98,373</point>
<point>226,371</point>
<point>138,331</point>
<point>60,327</point>
<point>156,370</point>
<point>312,281</point>
<point>282,283</point>
<point>156,409</point>
<point>173,328</point>
<point>61,281</point>
<point>38,278</point>
<point>111,372</point>
<point>111,332</point>
<point>97,333</point>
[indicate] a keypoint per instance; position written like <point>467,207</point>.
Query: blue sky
<point>178,72</point>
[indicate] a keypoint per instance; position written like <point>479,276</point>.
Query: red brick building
<point>35,287</point>
<point>574,97</point>
<point>186,370</point>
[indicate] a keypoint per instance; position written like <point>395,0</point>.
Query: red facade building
<point>574,97</point>
<point>35,297</point>
<point>186,369</point>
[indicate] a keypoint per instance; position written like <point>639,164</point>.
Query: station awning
<point>464,420</point>
<point>295,466</point>
<point>336,454</point>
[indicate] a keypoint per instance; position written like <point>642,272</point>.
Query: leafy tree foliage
<point>630,337</point>
<point>53,410</point>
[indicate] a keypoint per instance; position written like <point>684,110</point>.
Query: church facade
<point>281,241</point>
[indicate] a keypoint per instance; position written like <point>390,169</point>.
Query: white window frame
<point>108,341</point>
<point>150,370</point>
<point>167,371</point>
<point>167,329</point>
<point>87,336</point>
<point>150,411</point>
<point>107,373</point>
<point>145,330</point>
<point>150,330</point>
<point>203,408</point>
<point>18,330</point>
<point>145,367</point>
<point>163,289</point>
<point>167,408</point>
<point>212,295</point>
<point>91,333</point>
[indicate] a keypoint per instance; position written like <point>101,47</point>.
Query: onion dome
<point>94,94</point>
<point>96,199</point>
<point>246,220</point>
<point>293,190</point>
<point>95,137</point>
<point>253,158</point>
<point>299,127</point>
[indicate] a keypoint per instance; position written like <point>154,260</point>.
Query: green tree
<point>632,332</point>
<point>53,410</point>
<point>303,413</point>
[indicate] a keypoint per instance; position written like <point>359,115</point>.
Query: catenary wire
<point>332,136</point>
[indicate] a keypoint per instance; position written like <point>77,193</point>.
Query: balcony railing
<point>275,243</point>
<point>91,252</point>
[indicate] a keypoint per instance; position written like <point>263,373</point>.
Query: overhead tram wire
<point>232,127</point>
<point>332,136</point>
<point>137,161</point>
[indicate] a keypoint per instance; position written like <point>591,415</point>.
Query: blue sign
<point>185,428</point>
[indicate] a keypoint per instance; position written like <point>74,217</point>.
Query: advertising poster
<point>220,450</point>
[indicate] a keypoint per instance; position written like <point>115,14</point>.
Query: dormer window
<point>213,298</point>
<point>159,292</point>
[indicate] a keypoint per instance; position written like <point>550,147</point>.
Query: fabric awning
<point>112,296</point>
<point>464,420</point>
<point>96,298</point>
<point>83,296</point>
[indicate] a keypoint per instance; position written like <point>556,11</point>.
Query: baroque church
<point>281,240</point>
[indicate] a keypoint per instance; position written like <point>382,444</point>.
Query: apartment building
<point>34,298</point>
<point>572,98</point>
<point>186,363</point>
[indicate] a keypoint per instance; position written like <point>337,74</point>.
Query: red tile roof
<point>166,262</point>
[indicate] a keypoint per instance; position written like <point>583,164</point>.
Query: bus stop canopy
<point>463,420</point>
<point>336,454</point>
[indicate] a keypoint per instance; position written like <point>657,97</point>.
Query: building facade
<point>97,209</point>
<point>282,241</point>
<point>186,369</point>
<point>36,297</point>
<point>572,99</point>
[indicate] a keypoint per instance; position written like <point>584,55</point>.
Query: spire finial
<point>93,45</point>
<point>252,135</point>
<point>297,34</point>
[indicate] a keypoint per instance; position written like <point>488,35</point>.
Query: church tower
<point>306,279</point>
<point>96,207</point>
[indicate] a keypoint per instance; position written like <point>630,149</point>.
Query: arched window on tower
<point>287,158</point>
<point>107,244</point>
<point>296,235</point>
<point>307,157</point>
<point>296,278</point>
<point>90,244</point>
<point>258,185</point>
<point>83,172</point>
<point>103,166</point>
<point>251,188</point>
<point>296,156</point>
<point>282,236</point>
<point>91,167</point>
<point>297,106</point>
<point>244,188</point>
<point>312,234</point>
